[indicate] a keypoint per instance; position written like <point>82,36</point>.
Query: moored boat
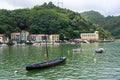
<point>100,50</point>
<point>46,64</point>
<point>28,43</point>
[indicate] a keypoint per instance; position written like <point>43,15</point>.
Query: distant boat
<point>28,43</point>
<point>46,64</point>
<point>100,50</point>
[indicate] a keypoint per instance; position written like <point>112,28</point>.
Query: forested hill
<point>110,23</point>
<point>47,19</point>
<point>94,17</point>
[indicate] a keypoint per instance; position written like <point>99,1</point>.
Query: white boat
<point>100,50</point>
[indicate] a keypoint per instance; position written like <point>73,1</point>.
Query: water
<point>83,64</point>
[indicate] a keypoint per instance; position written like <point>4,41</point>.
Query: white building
<point>15,36</point>
<point>38,37</point>
<point>19,36</point>
<point>90,36</point>
<point>24,36</point>
<point>54,38</point>
<point>43,37</point>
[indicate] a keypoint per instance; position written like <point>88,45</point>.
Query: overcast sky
<point>105,7</point>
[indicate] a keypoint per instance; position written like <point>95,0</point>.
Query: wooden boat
<point>100,50</point>
<point>46,64</point>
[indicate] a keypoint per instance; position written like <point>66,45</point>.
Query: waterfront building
<point>38,37</point>
<point>24,36</point>
<point>90,36</point>
<point>15,36</point>
<point>3,38</point>
<point>54,38</point>
<point>42,37</point>
<point>19,36</point>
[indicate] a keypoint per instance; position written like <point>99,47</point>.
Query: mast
<point>46,39</point>
<point>62,49</point>
<point>46,46</point>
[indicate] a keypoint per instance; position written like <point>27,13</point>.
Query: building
<point>38,37</point>
<point>20,36</point>
<point>15,36</point>
<point>3,38</point>
<point>43,37</point>
<point>90,36</point>
<point>54,38</point>
<point>24,36</point>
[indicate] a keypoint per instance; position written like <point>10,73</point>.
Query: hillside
<point>47,19</point>
<point>110,23</point>
<point>94,17</point>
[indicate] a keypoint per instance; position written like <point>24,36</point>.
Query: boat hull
<point>45,64</point>
<point>99,51</point>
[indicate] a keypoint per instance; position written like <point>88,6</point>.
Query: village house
<point>24,36</point>
<point>54,38</point>
<point>38,37</point>
<point>3,38</point>
<point>15,36</point>
<point>90,36</point>
<point>42,37</point>
<point>19,36</point>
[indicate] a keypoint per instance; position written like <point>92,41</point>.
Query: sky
<point>105,7</point>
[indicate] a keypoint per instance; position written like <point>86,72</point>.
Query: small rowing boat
<point>45,64</point>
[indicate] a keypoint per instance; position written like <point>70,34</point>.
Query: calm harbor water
<point>83,64</point>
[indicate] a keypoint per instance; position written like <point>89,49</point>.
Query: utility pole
<point>60,4</point>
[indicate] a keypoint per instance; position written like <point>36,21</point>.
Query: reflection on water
<point>83,64</point>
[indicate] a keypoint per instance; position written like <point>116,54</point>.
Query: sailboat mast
<point>46,47</point>
<point>61,47</point>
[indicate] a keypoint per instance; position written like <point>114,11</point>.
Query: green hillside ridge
<point>110,23</point>
<point>47,19</point>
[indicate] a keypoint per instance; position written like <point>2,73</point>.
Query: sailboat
<point>46,64</point>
